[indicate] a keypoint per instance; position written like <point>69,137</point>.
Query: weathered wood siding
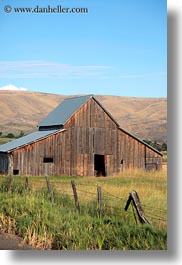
<point>135,154</point>
<point>91,115</point>
<point>91,131</point>
<point>30,158</point>
<point>153,160</point>
<point>3,163</point>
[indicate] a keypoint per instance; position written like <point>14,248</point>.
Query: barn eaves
<point>26,140</point>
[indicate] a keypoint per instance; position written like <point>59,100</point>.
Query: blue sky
<point>117,48</point>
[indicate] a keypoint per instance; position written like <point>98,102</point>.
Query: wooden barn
<point>79,138</point>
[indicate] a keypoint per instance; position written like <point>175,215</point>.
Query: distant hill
<point>146,118</point>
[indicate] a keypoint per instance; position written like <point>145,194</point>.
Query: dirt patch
<point>12,242</point>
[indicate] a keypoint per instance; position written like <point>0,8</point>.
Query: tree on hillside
<point>164,147</point>
<point>10,135</point>
<point>21,134</point>
<point>159,147</point>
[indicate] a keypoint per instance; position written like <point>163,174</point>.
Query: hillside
<point>146,118</point>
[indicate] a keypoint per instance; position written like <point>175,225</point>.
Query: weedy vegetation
<point>29,212</point>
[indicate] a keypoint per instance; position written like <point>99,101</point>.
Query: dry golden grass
<point>39,242</point>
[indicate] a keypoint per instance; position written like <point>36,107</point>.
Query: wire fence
<point>84,194</point>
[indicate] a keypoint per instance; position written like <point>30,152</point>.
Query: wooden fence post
<point>49,189</point>
<point>99,200</point>
<point>75,195</point>
<point>10,179</point>
<point>26,183</point>
<point>128,202</point>
<point>133,197</point>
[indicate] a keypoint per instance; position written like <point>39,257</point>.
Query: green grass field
<point>58,225</point>
<point>4,140</point>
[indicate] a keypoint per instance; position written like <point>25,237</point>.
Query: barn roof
<point>25,140</point>
<point>64,111</point>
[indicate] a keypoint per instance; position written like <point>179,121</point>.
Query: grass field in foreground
<point>44,225</point>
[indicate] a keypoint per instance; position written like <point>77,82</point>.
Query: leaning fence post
<point>138,207</point>
<point>133,197</point>
<point>128,202</point>
<point>99,200</point>
<point>49,189</point>
<point>75,195</point>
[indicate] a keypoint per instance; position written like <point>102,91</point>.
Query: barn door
<point>152,163</point>
<point>99,165</point>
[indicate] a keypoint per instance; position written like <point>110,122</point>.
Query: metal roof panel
<point>64,111</point>
<point>28,139</point>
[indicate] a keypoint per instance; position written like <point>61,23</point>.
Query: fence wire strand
<point>108,199</point>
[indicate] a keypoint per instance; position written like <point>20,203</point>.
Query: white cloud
<point>44,69</point>
<point>13,87</point>
<point>41,69</point>
<point>146,75</point>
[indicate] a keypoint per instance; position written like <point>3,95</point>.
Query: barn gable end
<point>81,138</point>
<point>91,115</point>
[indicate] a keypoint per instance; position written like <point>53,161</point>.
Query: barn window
<point>15,171</point>
<point>48,159</point>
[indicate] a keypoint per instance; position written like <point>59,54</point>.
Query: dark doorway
<point>99,165</point>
